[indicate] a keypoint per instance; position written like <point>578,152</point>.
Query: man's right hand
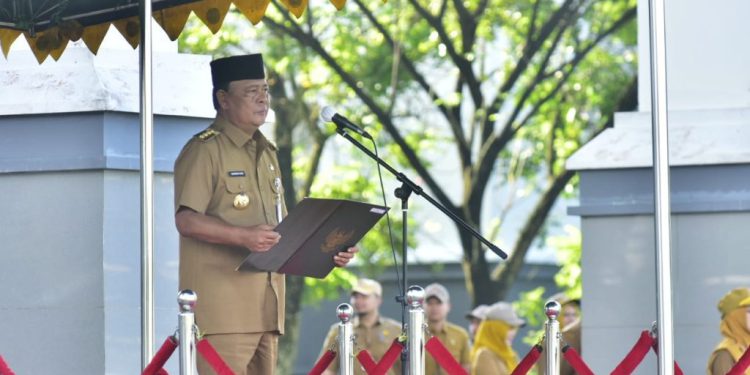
<point>260,238</point>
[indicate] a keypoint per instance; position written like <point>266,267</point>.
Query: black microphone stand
<point>403,193</point>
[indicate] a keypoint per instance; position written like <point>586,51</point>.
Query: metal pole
<point>345,312</point>
<point>186,334</point>
<point>552,335</point>
<point>660,145</point>
<point>415,298</point>
<point>147,187</point>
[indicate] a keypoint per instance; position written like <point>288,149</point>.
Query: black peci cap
<point>234,68</point>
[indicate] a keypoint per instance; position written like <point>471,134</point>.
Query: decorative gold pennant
<point>297,7</point>
<point>339,4</point>
<point>130,29</point>
<point>41,45</point>
<point>94,35</point>
<point>7,37</point>
<point>173,20</point>
<point>212,13</point>
<point>254,10</point>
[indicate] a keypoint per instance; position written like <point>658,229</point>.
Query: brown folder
<point>312,234</point>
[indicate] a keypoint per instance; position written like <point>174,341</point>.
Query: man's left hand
<point>342,258</point>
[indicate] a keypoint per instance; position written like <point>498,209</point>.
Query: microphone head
<point>327,113</point>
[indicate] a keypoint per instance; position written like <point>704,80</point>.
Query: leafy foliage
<point>568,279</point>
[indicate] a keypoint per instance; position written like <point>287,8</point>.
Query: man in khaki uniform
<point>453,337</point>
<point>225,207</point>
<point>373,332</point>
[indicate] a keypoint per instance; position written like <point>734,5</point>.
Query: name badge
<point>236,173</point>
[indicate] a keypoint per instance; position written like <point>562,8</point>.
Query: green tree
<point>508,89</point>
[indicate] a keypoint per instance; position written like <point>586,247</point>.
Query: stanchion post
<point>415,298</point>
<point>345,312</point>
<point>552,333</point>
<point>186,331</point>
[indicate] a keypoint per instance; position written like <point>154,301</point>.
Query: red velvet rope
<point>365,359</point>
<point>528,361</point>
<point>4,368</point>
<point>385,364</point>
<point>443,357</point>
<point>655,347</point>
<point>212,357</point>
<point>389,358</point>
<point>160,358</point>
<point>635,356</point>
<point>574,360</point>
<point>738,369</point>
<point>323,363</point>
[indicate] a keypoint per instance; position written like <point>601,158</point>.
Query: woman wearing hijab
<point>735,329</point>
<point>492,352</point>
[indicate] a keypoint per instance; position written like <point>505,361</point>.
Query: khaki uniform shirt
<point>213,168</point>
<point>376,339</point>
<point>721,362</point>
<point>456,340</point>
<point>488,363</point>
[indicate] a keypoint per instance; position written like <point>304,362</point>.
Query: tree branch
<point>453,121</point>
<point>532,22</point>
<point>506,272</point>
<point>499,142</point>
<point>382,116</point>
<point>463,65</point>
<point>523,63</point>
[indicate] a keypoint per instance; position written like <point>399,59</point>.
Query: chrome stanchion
<point>552,337</point>
<point>415,298</point>
<point>345,312</point>
<point>186,335</point>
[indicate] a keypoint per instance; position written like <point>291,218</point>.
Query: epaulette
<point>207,134</point>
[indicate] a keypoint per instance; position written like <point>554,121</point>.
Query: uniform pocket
<point>235,185</point>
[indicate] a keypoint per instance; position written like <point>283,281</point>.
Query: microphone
<point>329,115</point>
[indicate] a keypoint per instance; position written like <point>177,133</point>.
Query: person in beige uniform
<point>453,337</point>
<point>492,352</point>
<point>225,194</point>
<point>373,332</point>
<point>735,331</point>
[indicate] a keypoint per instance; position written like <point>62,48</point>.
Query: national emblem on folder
<point>336,239</point>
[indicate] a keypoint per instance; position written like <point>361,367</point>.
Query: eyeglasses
<point>254,92</point>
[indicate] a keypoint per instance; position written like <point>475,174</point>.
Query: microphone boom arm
<point>411,185</point>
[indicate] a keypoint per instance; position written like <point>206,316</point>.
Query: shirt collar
<point>442,330</point>
<point>357,323</point>
<point>239,137</point>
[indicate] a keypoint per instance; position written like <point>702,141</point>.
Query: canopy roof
<point>48,25</point>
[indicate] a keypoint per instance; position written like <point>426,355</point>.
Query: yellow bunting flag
<point>130,29</point>
<point>7,37</point>
<point>212,13</point>
<point>254,10</point>
<point>297,7</point>
<point>173,20</point>
<point>94,35</point>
